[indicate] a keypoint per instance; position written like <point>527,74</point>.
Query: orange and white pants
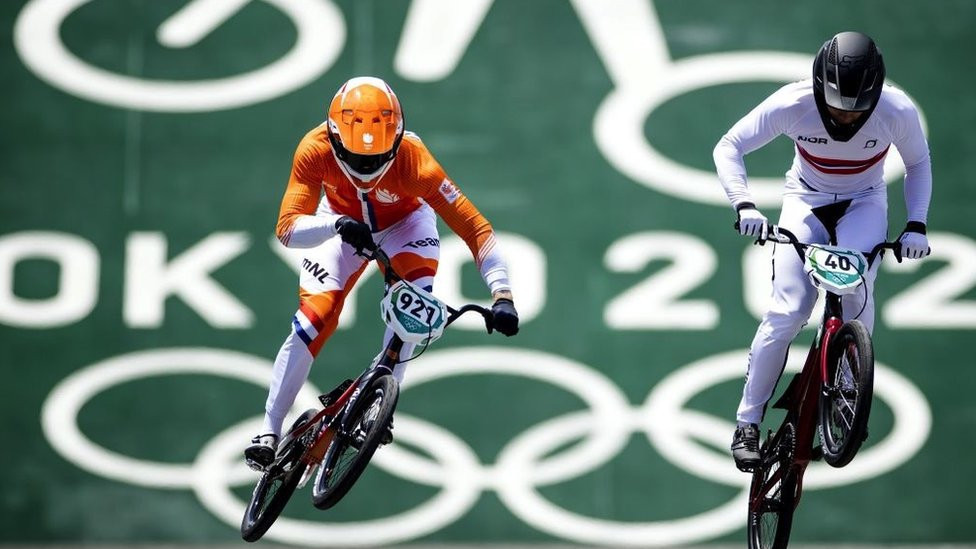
<point>329,271</point>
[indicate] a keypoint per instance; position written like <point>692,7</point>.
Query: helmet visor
<point>366,164</point>
<point>850,90</point>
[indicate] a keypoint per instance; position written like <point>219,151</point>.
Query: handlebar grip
<point>454,314</point>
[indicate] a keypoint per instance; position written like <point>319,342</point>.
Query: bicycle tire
<point>336,476</point>
<point>264,509</point>
<point>771,519</point>
<point>843,425</point>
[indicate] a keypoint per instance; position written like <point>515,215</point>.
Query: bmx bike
<point>355,419</point>
<point>831,394</point>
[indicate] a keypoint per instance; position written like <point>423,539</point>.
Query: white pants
<point>329,271</point>
<point>862,226</point>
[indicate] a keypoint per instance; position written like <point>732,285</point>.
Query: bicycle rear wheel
<point>276,486</point>
<point>845,402</point>
<point>772,495</point>
<point>349,453</point>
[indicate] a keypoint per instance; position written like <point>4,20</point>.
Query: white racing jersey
<point>822,165</point>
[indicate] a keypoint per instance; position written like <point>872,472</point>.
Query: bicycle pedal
<point>356,438</point>
<point>330,397</point>
<point>255,466</point>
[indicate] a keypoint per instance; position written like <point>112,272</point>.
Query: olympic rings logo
<point>690,440</point>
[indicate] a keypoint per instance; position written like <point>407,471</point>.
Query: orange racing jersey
<point>413,178</point>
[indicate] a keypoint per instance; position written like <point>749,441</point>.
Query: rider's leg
<point>864,225</point>
<point>408,262</point>
<point>792,301</point>
<point>328,272</point>
<point>414,249</point>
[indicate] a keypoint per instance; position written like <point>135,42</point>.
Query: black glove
<point>505,318</point>
<point>355,233</point>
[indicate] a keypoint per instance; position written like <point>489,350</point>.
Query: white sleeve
<point>492,266</point>
<point>914,150</point>
<point>767,121</point>
<point>309,231</point>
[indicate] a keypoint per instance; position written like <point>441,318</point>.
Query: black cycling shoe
<point>745,447</point>
<point>261,453</point>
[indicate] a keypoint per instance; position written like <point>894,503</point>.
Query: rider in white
<point>842,123</point>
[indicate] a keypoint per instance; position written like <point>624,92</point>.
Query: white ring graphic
<point>458,493</point>
<point>672,428</point>
<point>321,32</point>
<point>630,40</point>
<point>59,414</point>
<point>693,441</point>
<point>601,396</point>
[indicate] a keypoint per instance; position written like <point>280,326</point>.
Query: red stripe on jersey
<point>312,316</point>
<point>419,272</point>
<point>840,166</point>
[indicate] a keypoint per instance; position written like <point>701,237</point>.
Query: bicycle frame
<point>801,397</point>
<point>337,408</point>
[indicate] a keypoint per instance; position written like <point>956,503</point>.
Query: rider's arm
<point>468,223</point>
<point>465,220</point>
<point>769,119</point>
<point>299,225</point>
<point>910,140</point>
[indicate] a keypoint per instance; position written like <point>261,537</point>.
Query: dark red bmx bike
<point>832,394</point>
<point>340,439</point>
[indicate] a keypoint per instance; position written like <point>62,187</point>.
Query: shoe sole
<point>747,467</point>
<point>258,460</point>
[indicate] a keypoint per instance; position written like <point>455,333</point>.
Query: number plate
<point>413,313</point>
<point>839,270</point>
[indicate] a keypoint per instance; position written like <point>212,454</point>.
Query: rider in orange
<point>361,177</point>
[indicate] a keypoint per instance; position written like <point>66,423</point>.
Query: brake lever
<point>759,241</point>
<point>369,255</point>
<point>489,319</point>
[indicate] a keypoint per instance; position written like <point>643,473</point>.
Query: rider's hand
<point>751,221</point>
<point>914,243</point>
<point>355,233</point>
<point>505,317</point>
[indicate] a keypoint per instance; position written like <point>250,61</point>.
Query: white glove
<point>752,222</point>
<point>914,243</point>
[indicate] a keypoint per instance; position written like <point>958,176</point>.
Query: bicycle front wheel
<point>845,402</point>
<point>772,494</point>
<point>349,453</point>
<point>276,486</point>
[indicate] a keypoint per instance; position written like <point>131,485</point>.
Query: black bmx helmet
<point>848,75</point>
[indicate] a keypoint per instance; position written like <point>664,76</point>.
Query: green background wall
<point>513,124</point>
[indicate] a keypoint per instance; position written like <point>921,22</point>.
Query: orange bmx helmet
<point>365,126</point>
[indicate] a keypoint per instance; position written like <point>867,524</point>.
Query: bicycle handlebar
<point>391,276</point>
<point>783,235</point>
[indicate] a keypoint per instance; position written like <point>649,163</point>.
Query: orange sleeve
<point>304,186</point>
<point>452,206</point>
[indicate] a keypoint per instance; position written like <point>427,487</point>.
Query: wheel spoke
<point>845,392</point>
